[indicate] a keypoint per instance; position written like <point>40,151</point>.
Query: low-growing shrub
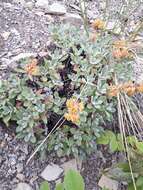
<point>67,90</point>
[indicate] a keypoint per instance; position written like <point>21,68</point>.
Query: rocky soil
<point>13,169</point>
<point>24,31</point>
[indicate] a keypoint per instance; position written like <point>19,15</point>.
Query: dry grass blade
<point>56,127</point>
<point>122,125</point>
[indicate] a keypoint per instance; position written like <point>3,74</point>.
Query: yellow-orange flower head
<point>98,24</point>
<point>120,49</point>
<point>74,108</point>
<point>32,68</point>
<point>129,88</point>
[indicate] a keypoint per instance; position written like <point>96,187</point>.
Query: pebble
<point>1,159</point>
<point>29,5</point>
<point>23,186</point>
<point>57,9</point>
<point>73,19</point>
<point>19,167</point>
<point>51,172</point>
<point>12,160</point>
<point>111,25</point>
<point>5,35</point>
<point>108,183</point>
<point>42,4</point>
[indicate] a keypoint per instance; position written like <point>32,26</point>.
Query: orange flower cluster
<point>98,24</point>
<point>74,109</point>
<point>32,68</point>
<point>120,49</point>
<point>129,88</point>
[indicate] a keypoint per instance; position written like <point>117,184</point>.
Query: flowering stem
<point>84,15</point>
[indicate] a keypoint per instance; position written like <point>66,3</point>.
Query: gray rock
<point>106,182</point>
<point>29,5</point>
<point>23,186</point>
<point>19,167</point>
<point>5,35</point>
<point>51,172</point>
<point>7,5</point>
<point>42,4</point>
<point>110,25</point>
<point>73,19</point>
<point>12,160</point>
<point>71,164</point>
<point>57,9</point>
<point>0,159</point>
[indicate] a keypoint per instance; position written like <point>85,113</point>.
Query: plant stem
<point>84,15</point>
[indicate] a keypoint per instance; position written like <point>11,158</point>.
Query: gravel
<point>13,156</point>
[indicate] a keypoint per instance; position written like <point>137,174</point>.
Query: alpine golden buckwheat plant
<point>71,94</point>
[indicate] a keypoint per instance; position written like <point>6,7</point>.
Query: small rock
<point>7,5</point>
<point>110,25</point>
<point>22,2</point>
<point>71,164</point>
<point>12,160</point>
<point>20,176</point>
<point>15,32</point>
<point>19,167</point>
<point>108,183</point>
<point>6,135</point>
<point>29,5</point>
<point>103,5</point>
<point>42,4</point>
<point>51,172</point>
<point>3,144</point>
<point>57,9</point>
<point>23,186</point>
<point>5,35</point>
<point>39,13</point>
<point>73,19</point>
<point>1,159</point>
